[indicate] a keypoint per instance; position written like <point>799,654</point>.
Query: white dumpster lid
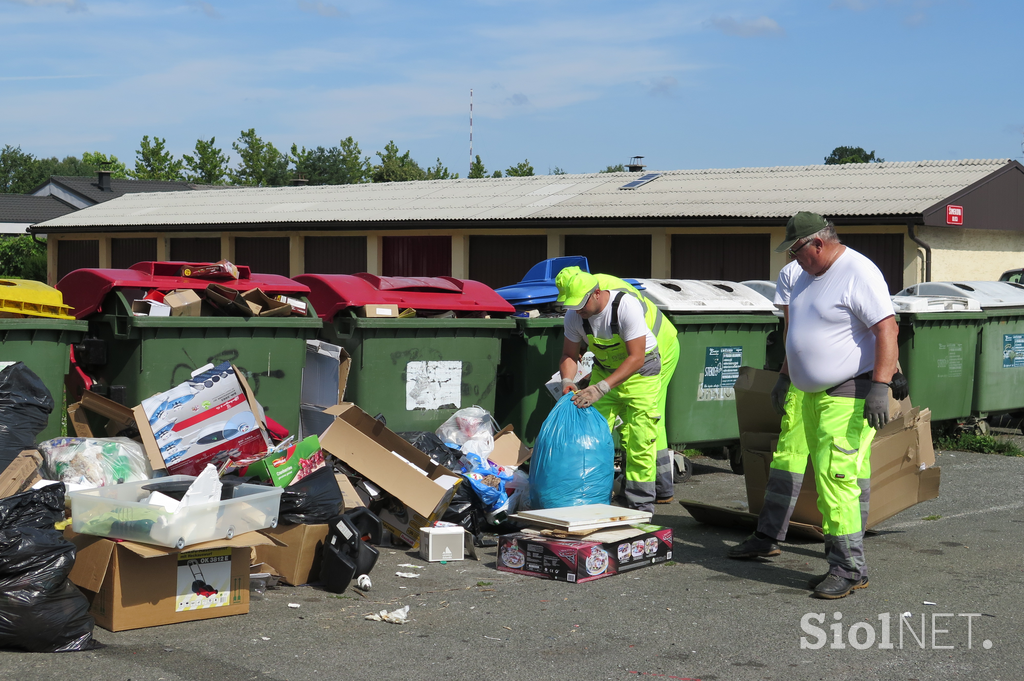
<point>766,288</point>
<point>911,304</point>
<point>989,294</point>
<point>693,295</point>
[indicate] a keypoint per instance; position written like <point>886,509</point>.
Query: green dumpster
<point>775,350</point>
<point>150,354</point>
<point>42,338</point>
<point>999,368</point>
<point>528,358</point>
<point>938,341</point>
<point>722,326</point>
<point>416,371</point>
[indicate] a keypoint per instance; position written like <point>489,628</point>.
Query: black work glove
<point>876,406</point>
<point>779,394</point>
<point>900,389</point>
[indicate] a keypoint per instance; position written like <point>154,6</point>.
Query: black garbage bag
<point>314,500</point>
<point>40,609</point>
<point>25,406</point>
<point>431,445</point>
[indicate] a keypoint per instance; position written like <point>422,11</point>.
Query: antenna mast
<point>470,130</point>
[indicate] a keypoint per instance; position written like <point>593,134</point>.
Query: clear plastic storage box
<point>121,512</point>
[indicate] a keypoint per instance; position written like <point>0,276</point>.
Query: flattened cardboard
<point>370,449</point>
<point>119,418</point>
<point>21,473</point>
<point>727,517</point>
<point>348,492</point>
<point>265,306</point>
<point>509,449</point>
<point>297,556</point>
<point>130,586</point>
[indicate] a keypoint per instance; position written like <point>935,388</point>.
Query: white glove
<point>591,394</point>
<point>567,385</point>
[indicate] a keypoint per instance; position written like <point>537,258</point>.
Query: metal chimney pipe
<point>104,180</point>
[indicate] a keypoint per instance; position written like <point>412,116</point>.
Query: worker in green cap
<point>635,354</point>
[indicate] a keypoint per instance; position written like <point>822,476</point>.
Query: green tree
<point>154,162</point>
<point>260,163</point>
<point>841,155</point>
<point>343,164</point>
<point>18,171</point>
<point>557,171</point>
<point>395,167</point>
<point>439,172</point>
<point>101,161</point>
<point>21,257</point>
<point>209,165</point>
<point>496,173</point>
<point>477,169</point>
<point>522,169</point>
<point>619,168</point>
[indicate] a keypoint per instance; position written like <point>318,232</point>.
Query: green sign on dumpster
<point>1013,350</point>
<point>721,369</point>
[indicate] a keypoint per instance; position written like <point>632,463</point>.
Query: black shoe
<point>755,547</point>
<point>834,586</point>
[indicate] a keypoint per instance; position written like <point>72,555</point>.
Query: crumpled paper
<point>400,616</point>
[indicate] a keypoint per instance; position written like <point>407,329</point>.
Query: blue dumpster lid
<point>85,289</point>
<point>332,293</point>
<point>989,294</point>
<point>538,286</point>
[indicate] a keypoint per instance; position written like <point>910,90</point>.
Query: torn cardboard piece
<point>21,473</point>
<point>297,554</point>
<point>509,450</point>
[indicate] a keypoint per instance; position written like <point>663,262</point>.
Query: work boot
<point>664,500</point>
<point>834,586</point>
<point>755,547</point>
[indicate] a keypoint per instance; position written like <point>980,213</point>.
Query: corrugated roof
<point>24,208</point>
<point>88,186</point>
<point>902,188</point>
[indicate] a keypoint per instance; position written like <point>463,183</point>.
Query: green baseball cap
<point>801,225</point>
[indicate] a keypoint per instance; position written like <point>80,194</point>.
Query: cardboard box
<point>143,307</point>
<point>902,458</point>
<point>207,419</point>
<point>595,556</point>
<point>325,375</point>
<point>130,585</point>
<point>98,416</point>
<point>509,449</point>
<point>21,473</point>
<point>298,307</point>
<point>420,490</point>
<point>183,303</point>
<point>442,543</point>
<point>265,306</point>
<point>297,554</point>
<point>378,310</point>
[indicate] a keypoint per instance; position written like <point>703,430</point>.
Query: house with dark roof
<point>918,221</point>
<point>82,192</point>
<point>19,211</point>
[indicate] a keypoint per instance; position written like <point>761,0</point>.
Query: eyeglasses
<point>794,251</point>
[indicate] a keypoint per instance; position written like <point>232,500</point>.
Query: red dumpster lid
<point>85,289</point>
<point>331,293</point>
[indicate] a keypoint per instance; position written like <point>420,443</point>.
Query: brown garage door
<point>126,252</point>
<point>417,256</point>
<point>206,249</point>
<point>885,250</point>
<point>335,254</point>
<point>263,254</point>
<point>621,256</point>
<point>75,254</point>
<point>727,257</point>
<point>503,260</point>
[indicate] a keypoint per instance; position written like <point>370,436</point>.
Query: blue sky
<point>575,85</point>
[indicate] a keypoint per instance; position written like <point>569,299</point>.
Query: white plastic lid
<point>693,295</point>
<point>910,304</point>
<point>989,294</point>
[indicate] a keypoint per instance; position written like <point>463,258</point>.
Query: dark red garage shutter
<point>75,254</point>
<point>885,250</point>
<point>263,254</point>
<point>726,257</point>
<point>417,256</point>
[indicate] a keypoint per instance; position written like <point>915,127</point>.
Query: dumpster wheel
<point>735,459</point>
<point>682,467</point>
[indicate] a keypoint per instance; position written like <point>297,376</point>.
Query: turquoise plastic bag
<point>573,462</point>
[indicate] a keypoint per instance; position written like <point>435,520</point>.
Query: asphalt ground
<point>955,560</point>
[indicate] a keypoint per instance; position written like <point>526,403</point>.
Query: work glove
<point>876,406</point>
<point>568,385</point>
<point>586,397</point>
<point>900,389</point>
<point>779,394</point>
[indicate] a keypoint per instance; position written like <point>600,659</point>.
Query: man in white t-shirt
<point>841,358</point>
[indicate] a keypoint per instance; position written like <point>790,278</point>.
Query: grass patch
<point>483,583</point>
<point>985,444</point>
<point>692,453</point>
<point>931,517</point>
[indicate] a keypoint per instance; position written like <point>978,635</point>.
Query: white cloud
<point>748,28</point>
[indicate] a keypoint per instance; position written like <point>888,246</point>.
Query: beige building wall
<point>972,254</point>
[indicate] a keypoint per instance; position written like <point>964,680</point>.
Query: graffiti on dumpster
<point>182,372</point>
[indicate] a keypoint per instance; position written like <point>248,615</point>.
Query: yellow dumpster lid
<point>33,298</point>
